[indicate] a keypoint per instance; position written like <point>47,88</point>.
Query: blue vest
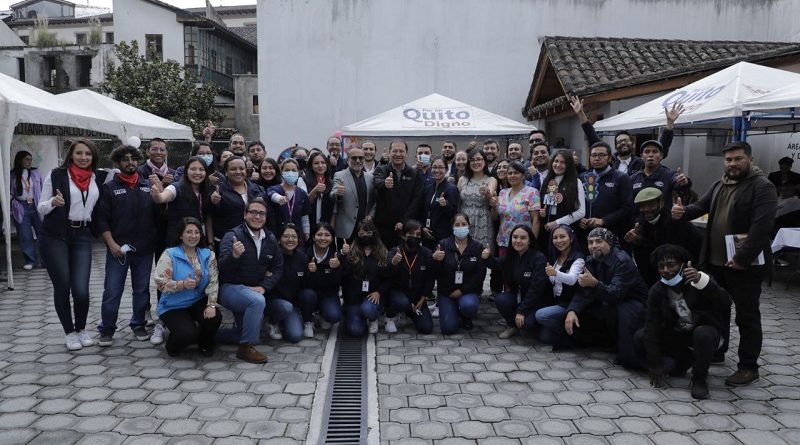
<point>182,269</point>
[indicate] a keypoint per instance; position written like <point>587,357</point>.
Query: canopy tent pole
<point>5,194</point>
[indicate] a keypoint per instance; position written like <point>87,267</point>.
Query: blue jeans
<point>451,310</point>
<point>30,223</point>
<point>357,315</point>
<point>399,302</point>
<point>69,264</point>
<point>328,305</point>
<point>551,318</point>
<point>248,313</point>
<point>140,266</point>
<point>506,303</point>
<point>281,312</point>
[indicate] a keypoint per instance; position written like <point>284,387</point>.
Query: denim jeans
<point>399,302</point>
<point>451,310</point>
<point>357,315</point>
<point>551,318</point>
<point>69,264</point>
<point>283,313</point>
<point>30,223</point>
<point>248,313</point>
<point>328,305</point>
<point>506,304</point>
<point>140,266</point>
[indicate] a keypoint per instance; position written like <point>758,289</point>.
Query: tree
<point>156,86</point>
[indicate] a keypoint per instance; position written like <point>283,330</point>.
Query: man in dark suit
<point>337,162</point>
<point>399,190</point>
<point>785,180</point>
<point>354,196</point>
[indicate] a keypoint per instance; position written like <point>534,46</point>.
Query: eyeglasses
<point>356,158</point>
<point>288,237</point>
<point>598,155</point>
<point>438,167</point>
<point>476,160</point>
<point>257,213</point>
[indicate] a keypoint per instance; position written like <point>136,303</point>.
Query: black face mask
<point>412,242</point>
<point>301,163</point>
<point>365,240</point>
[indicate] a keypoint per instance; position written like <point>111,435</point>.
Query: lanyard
<point>290,204</point>
<point>409,265</point>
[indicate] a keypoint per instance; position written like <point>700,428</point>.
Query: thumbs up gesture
<point>389,181</point>
<point>385,156</point>
<point>155,183</point>
<point>216,197</point>
<point>486,253</point>
<point>550,270</point>
<point>345,248</point>
<point>397,258</point>
<point>334,262</point>
<point>312,266</point>
<point>586,279</point>
<point>189,283</point>
<point>255,176</point>
<point>575,156</point>
<point>690,274</point>
<point>58,200</point>
<point>680,178</point>
<point>340,190</point>
<point>633,235</point>
<point>438,254</point>
<point>677,209</point>
<point>237,248</point>
<point>442,200</point>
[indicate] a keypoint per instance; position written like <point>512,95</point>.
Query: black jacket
<point>293,279</point>
<point>248,269</point>
<point>55,223</point>
<point>441,218</point>
<point>664,137</point>
<point>229,213</point>
<point>352,280</point>
<point>419,282</point>
<point>663,179</point>
<point>665,230</point>
<point>181,208</point>
<point>327,202</point>
<point>400,203</point>
<point>614,201</point>
<point>128,214</point>
<point>618,281</point>
<point>710,306</point>
<point>525,275</point>
<point>326,280</point>
<point>471,263</point>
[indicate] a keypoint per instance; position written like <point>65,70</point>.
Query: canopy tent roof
<point>719,96</point>
<point>436,115</point>
<point>785,97</point>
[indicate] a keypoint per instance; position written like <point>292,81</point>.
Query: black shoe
<point>141,333</point>
<point>467,324</point>
<point>718,358</point>
<point>742,377</point>
<point>207,351</point>
<point>699,389</point>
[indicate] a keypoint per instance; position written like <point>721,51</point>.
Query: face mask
<point>301,162</point>
<point>425,159</point>
<point>207,159</point>
<point>365,240</point>
<point>290,177</point>
<point>461,232</point>
<point>674,281</point>
<point>412,242</point>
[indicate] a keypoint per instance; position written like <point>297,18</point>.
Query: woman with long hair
<point>518,204</point>
<point>324,279</point>
<point>412,274</point>
<point>189,197</point>
<point>477,189</point>
<point>562,193</point>
<point>565,263</point>
<point>461,161</point>
<point>290,201</point>
<point>26,190</point>
<point>231,196</point>
<point>365,281</point>
<point>187,277</point>
<point>442,200</point>
<point>319,185</point>
<point>283,304</point>
<point>270,173</point>
<point>501,173</point>
<point>68,197</point>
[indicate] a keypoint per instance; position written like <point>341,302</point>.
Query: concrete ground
<point>466,388</point>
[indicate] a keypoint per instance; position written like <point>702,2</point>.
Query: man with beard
<point>654,227</point>
<point>236,145</point>
<point>370,150</point>
<point>337,162</point>
<point>449,156</point>
<point>612,204</point>
<point>124,218</point>
<point>399,191</point>
<point>257,154</point>
<point>624,159</point>
<point>540,164</point>
<point>610,301</point>
<point>492,150</point>
<point>655,174</point>
<point>354,196</point>
<point>743,202</point>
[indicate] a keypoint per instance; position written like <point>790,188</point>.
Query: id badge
<point>459,277</point>
<point>428,223</point>
<point>365,286</point>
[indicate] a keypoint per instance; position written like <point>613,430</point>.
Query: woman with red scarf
<point>68,197</point>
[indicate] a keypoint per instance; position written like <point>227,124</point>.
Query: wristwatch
<point>212,305</point>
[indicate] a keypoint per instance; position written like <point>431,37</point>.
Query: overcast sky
<point>4,4</point>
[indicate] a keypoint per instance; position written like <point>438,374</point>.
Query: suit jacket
<point>346,207</point>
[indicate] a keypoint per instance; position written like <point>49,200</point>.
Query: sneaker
<point>373,327</point>
<point>699,389</point>
<point>466,323</point>
<point>508,332</point>
<point>275,332</point>
<point>324,324</point>
<point>308,329</point>
<point>434,311</point>
<point>141,333</point>
<point>389,325</point>
<point>73,342</point>
<point>742,377</point>
<point>157,337</point>
<point>85,339</point>
<point>249,353</point>
<point>28,266</point>
<point>148,319</point>
<point>105,340</point>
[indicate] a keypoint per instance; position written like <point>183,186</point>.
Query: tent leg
<point>5,204</point>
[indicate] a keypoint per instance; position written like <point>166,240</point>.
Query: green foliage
<point>44,38</point>
<point>156,86</point>
<point>95,31</point>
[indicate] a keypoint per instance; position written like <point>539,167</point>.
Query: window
<point>80,38</point>
<point>21,69</point>
<point>109,37</point>
<point>84,66</point>
<point>228,65</point>
<point>52,73</point>
<point>212,62</point>
<point>255,104</point>
<point>155,45</point>
<point>190,54</point>
<point>24,39</point>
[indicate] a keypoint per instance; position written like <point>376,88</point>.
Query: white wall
<point>323,65</point>
<point>135,18</point>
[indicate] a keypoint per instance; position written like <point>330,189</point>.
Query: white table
<point>786,237</point>
<point>787,205</point>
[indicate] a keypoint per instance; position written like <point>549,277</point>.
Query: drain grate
<point>345,416</point>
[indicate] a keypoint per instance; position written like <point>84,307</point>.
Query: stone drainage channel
<point>345,410</point>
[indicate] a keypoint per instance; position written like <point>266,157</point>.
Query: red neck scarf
<point>82,177</point>
<point>129,180</point>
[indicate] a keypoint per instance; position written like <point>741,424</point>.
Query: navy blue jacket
<point>471,263</point>
<point>665,230</point>
<point>295,268</point>
<point>128,214</point>
<point>247,269</point>
<point>663,179</point>
<point>614,201</point>
<point>525,276</point>
<point>229,213</point>
<point>619,281</point>
<point>279,215</point>
<point>352,280</point>
<point>419,281</point>
<point>441,218</point>
<point>326,280</point>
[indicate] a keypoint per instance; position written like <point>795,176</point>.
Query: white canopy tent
<point>436,115</point>
<point>720,96</point>
<point>785,97</point>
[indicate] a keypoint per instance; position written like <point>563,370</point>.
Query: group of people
<point>320,237</point>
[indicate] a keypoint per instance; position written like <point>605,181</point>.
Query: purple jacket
<point>17,210</point>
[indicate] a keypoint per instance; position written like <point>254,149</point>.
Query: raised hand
<point>632,234</point>
<point>216,197</point>
<point>677,209</point>
<point>493,201</point>
<point>486,253</point>
<point>334,262</point>
<point>345,248</point>
<point>213,179</point>
<point>577,104</point>
<point>389,181</point>
<point>680,178</point>
<point>340,190</point>
<point>168,178</point>
<point>312,266</point>
<point>586,279</point>
<point>575,156</point>
<point>237,249</point>
<point>550,270</point>
<point>397,258</point>
<point>58,200</point>
<point>438,254</point>
<point>673,113</point>
<point>255,176</point>
<point>442,200</point>
<point>690,274</point>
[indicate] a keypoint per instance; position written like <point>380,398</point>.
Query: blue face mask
<point>461,232</point>
<point>207,159</point>
<point>290,177</point>
<point>674,281</point>
<point>425,159</point>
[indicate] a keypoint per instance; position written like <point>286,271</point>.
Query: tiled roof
<point>227,10</point>
<point>105,18</point>
<point>246,32</point>
<point>591,65</point>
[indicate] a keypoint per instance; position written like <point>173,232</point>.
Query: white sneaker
<point>275,332</point>
<point>157,337</point>
<point>73,342</point>
<point>373,327</point>
<point>28,266</point>
<point>308,330</point>
<point>508,332</point>
<point>85,339</point>
<point>434,310</point>
<point>389,325</point>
